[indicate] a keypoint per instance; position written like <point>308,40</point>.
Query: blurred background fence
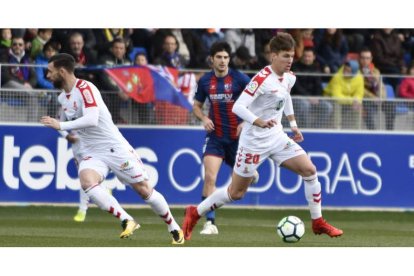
<point>314,112</point>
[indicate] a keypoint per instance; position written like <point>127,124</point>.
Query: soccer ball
<point>290,229</point>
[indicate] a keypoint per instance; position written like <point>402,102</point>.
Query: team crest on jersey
<point>252,87</point>
<point>227,86</point>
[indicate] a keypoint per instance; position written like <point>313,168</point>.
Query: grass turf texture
<point>46,226</point>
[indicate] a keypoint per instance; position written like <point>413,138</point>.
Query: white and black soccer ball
<point>290,229</point>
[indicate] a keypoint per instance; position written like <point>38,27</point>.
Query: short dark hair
<point>63,60</point>
<point>309,49</point>
<point>50,45</point>
<point>118,40</point>
<point>282,42</point>
<point>218,47</point>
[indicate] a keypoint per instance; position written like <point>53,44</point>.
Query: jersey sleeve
<point>87,92</point>
<point>200,94</point>
<point>257,84</point>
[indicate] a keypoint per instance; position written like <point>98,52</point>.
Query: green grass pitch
<point>51,226</point>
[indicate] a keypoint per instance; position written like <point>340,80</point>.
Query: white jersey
<point>84,104</point>
<point>266,96</point>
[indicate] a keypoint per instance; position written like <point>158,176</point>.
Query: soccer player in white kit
<point>84,199</point>
<point>103,147</point>
<point>261,106</point>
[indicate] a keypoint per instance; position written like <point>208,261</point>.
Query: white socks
<point>214,201</point>
<point>107,202</point>
<point>160,206</point>
<point>83,201</point>
<point>313,195</point>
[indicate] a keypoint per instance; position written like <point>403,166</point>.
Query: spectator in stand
<point>264,57</point>
<point>210,36</point>
<point>29,35</point>
<point>111,93</point>
<point>62,36</point>
<point>5,40</point>
<point>105,37</point>
<point>310,86</point>
<point>43,36</point>
<point>83,56</point>
<point>374,89</point>
<point>241,37</point>
<point>388,55</point>
<point>357,39</point>
<point>347,88</point>
<point>143,38</point>
<point>303,39</point>
<point>241,60</point>
<point>49,50</point>
<point>170,56</point>
<point>331,49</point>
<point>20,77</point>
<point>406,89</point>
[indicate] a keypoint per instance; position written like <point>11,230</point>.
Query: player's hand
<point>208,124</point>
<point>72,138</point>
<point>297,135</point>
<point>265,124</point>
<point>50,122</point>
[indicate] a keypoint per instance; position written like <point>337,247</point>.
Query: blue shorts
<point>223,148</point>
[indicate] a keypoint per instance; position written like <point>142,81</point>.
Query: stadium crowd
<point>333,53</point>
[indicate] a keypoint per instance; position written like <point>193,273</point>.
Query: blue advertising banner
<point>355,169</point>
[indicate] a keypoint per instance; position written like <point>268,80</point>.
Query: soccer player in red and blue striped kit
<point>221,86</point>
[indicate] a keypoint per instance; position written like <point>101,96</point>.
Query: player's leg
<point>134,174</point>
<point>303,166</point>
<point>160,207</point>
<point>212,166</point>
<point>91,174</point>
<point>83,206</point>
<point>242,176</point>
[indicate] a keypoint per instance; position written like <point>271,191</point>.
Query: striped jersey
<point>221,93</point>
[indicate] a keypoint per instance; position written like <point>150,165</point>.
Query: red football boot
<point>190,220</point>
<point>320,226</point>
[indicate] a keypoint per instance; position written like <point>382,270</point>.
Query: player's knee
<point>210,179</point>
<point>89,178</point>
<point>308,170</point>
<point>142,188</point>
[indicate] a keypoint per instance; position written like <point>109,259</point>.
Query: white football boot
<point>209,229</point>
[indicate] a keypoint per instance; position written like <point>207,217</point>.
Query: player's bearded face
<point>58,81</point>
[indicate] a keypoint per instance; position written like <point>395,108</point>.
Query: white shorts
<point>249,159</point>
<point>123,161</point>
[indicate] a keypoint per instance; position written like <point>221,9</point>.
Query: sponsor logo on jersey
<point>221,97</point>
<point>124,166</point>
<point>87,94</point>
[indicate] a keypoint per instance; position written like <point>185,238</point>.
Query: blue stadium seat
<point>401,108</point>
